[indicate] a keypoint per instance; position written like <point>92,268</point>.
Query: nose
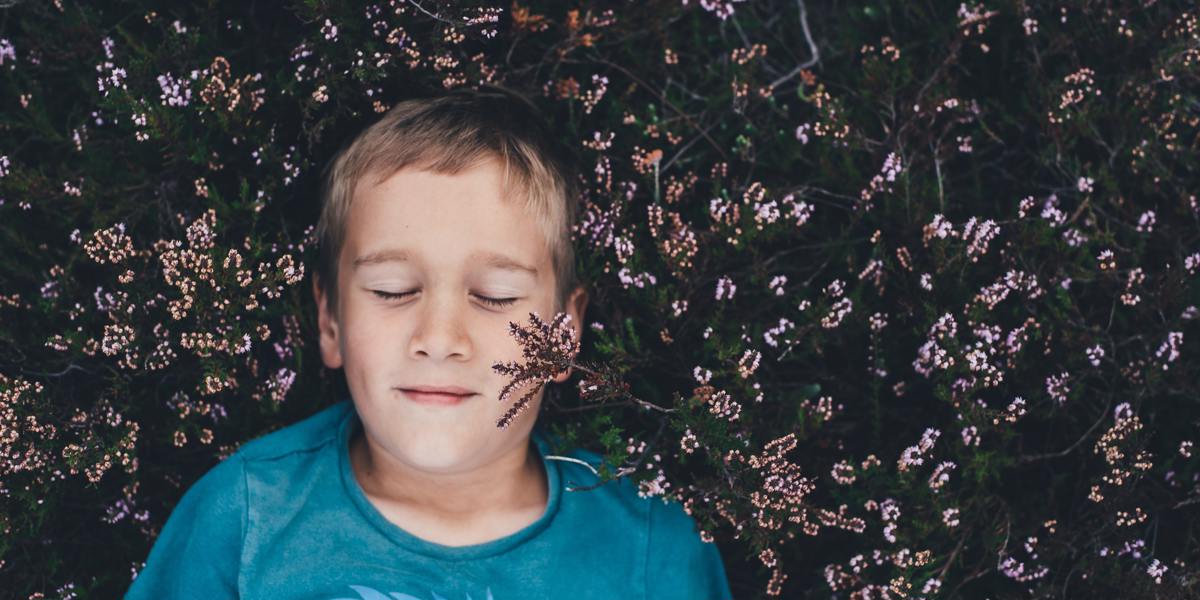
<point>441,330</point>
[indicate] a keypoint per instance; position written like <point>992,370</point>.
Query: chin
<point>432,443</point>
<point>447,458</point>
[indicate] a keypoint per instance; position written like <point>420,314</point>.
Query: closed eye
<point>498,302</point>
<point>389,295</point>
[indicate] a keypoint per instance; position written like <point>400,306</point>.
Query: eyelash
<point>497,302</point>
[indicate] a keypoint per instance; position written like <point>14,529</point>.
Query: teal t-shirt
<point>284,517</point>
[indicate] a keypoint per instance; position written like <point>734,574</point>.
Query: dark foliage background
<point>900,298</point>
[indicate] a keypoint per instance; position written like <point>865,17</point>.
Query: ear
<point>576,306</point>
<point>331,352</point>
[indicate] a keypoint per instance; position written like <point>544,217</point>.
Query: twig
<point>662,98</point>
<point>949,561</point>
<point>70,367</point>
<point>812,48</point>
<point>1031,458</point>
<point>438,17</point>
<point>1075,215</point>
<point>742,34</point>
<point>1188,502</point>
<point>631,397</point>
<point>623,471</point>
<point>937,165</point>
<point>687,145</point>
<point>587,407</point>
<point>574,460</point>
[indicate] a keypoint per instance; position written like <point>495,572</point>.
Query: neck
<point>515,482</point>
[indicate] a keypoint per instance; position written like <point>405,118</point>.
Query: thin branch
<point>623,471</point>
<point>70,367</point>
<point>1036,457</point>
<point>949,561</point>
<point>574,460</point>
<point>812,48</point>
<point>438,17</point>
<point>688,145</point>
<point>631,397</point>
<point>588,407</point>
<point>662,98</point>
<point>1188,502</point>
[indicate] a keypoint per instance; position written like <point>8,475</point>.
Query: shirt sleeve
<point>199,549</point>
<point>679,565</point>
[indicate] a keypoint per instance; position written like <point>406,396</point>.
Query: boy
<point>442,222</point>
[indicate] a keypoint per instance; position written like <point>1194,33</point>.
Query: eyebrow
<point>493,260</point>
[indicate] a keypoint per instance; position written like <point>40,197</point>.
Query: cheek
<point>365,338</point>
<point>353,332</point>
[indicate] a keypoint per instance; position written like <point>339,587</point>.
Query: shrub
<point>899,299</point>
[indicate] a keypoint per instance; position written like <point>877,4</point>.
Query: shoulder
<point>581,489</point>
<point>200,545</point>
<point>687,566</point>
<point>219,495</point>
<point>677,562</point>
<point>308,434</point>
<point>621,502</point>
<point>669,521</point>
<point>579,471</point>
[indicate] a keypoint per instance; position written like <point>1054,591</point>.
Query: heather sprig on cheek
<point>548,349</point>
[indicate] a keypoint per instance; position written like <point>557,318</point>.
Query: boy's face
<point>444,333</point>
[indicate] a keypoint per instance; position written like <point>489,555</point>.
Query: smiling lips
<point>437,395</point>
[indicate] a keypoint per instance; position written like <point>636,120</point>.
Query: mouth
<point>435,398</point>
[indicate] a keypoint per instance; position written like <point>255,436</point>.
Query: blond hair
<point>446,134</point>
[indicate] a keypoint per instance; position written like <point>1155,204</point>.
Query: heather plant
<point>899,299</point>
